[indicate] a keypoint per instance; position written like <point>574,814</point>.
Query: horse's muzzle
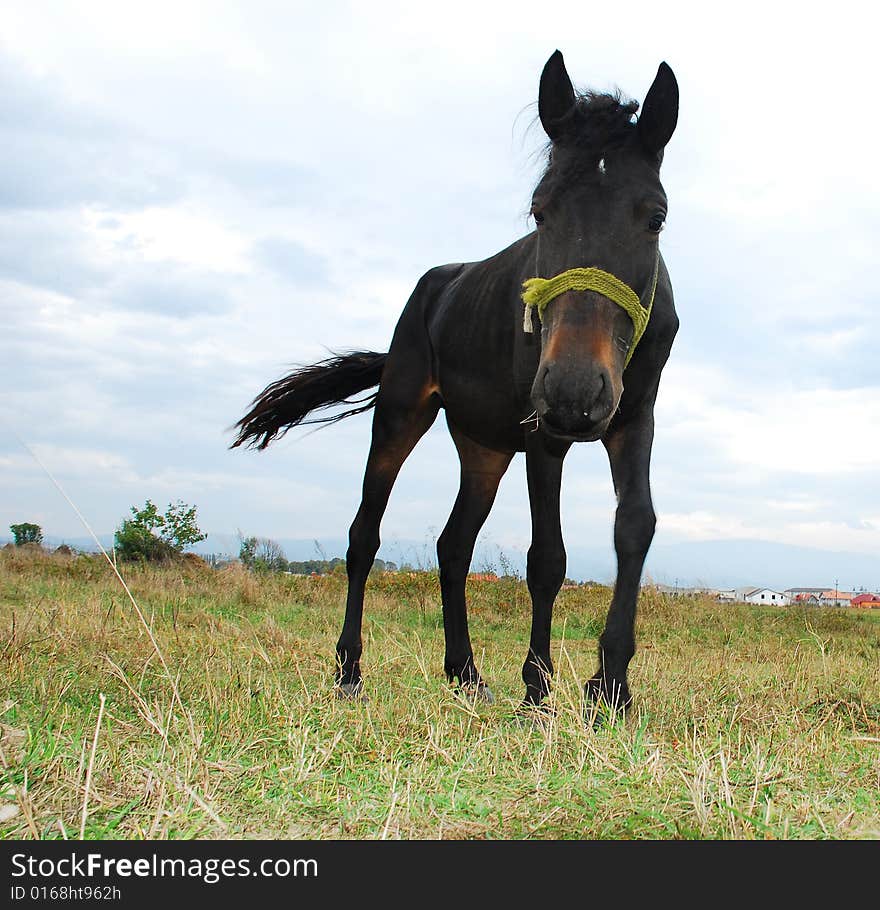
<point>573,404</point>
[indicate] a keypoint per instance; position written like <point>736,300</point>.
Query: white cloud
<point>157,235</point>
<point>833,535</point>
<point>798,505</point>
<point>63,461</point>
<point>702,525</point>
<point>771,428</point>
<point>823,535</point>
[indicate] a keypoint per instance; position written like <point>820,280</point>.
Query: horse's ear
<point>555,96</point>
<point>659,114</point>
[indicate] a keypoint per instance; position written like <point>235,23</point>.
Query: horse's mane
<point>598,123</point>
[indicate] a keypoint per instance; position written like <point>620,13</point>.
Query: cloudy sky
<point>195,196</point>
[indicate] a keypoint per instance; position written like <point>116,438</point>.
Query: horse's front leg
<point>545,568</point>
<point>629,453</point>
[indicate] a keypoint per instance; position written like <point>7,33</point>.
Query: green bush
<point>151,537</point>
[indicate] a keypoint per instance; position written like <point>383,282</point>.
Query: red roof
<point>865,599</point>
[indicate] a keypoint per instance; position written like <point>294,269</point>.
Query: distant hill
<point>713,563</point>
<point>731,563</point>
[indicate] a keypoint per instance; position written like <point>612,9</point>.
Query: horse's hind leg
<point>481,472</point>
<point>405,409</point>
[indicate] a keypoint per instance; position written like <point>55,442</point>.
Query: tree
<point>153,537</point>
<point>262,554</point>
<point>26,533</point>
<point>247,553</point>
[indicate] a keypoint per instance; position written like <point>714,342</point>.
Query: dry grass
<point>749,722</point>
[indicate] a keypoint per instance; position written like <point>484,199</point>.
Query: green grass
<point>749,722</point>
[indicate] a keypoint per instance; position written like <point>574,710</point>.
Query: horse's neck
<point>488,289</point>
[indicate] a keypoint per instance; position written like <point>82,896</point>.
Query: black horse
<point>587,368</point>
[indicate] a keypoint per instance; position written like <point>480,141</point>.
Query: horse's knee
<point>443,548</point>
<point>452,561</point>
<point>363,544</point>
<point>634,528</point>
<point>545,570</point>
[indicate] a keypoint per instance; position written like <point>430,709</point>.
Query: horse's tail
<point>289,401</point>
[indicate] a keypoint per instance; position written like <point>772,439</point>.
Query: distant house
<point>666,589</point>
<point>740,594</point>
<point>732,595</point>
<point>871,601</point>
<point>821,596</point>
<point>767,596</point>
<point>801,595</point>
<point>706,592</point>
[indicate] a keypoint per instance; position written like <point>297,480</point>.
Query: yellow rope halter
<point>538,292</point>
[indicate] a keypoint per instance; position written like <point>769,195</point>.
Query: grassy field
<point>748,723</point>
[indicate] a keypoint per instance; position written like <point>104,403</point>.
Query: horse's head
<point>599,210</point>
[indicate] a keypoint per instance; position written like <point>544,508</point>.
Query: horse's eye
<point>656,222</point>
<point>539,217</point>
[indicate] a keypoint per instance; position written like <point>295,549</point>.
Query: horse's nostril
<point>602,404</point>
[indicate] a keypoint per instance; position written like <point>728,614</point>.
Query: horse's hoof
<point>479,692</point>
<point>351,692</point>
<point>603,707</point>
<point>603,717</point>
<point>537,714</point>
<point>484,694</point>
